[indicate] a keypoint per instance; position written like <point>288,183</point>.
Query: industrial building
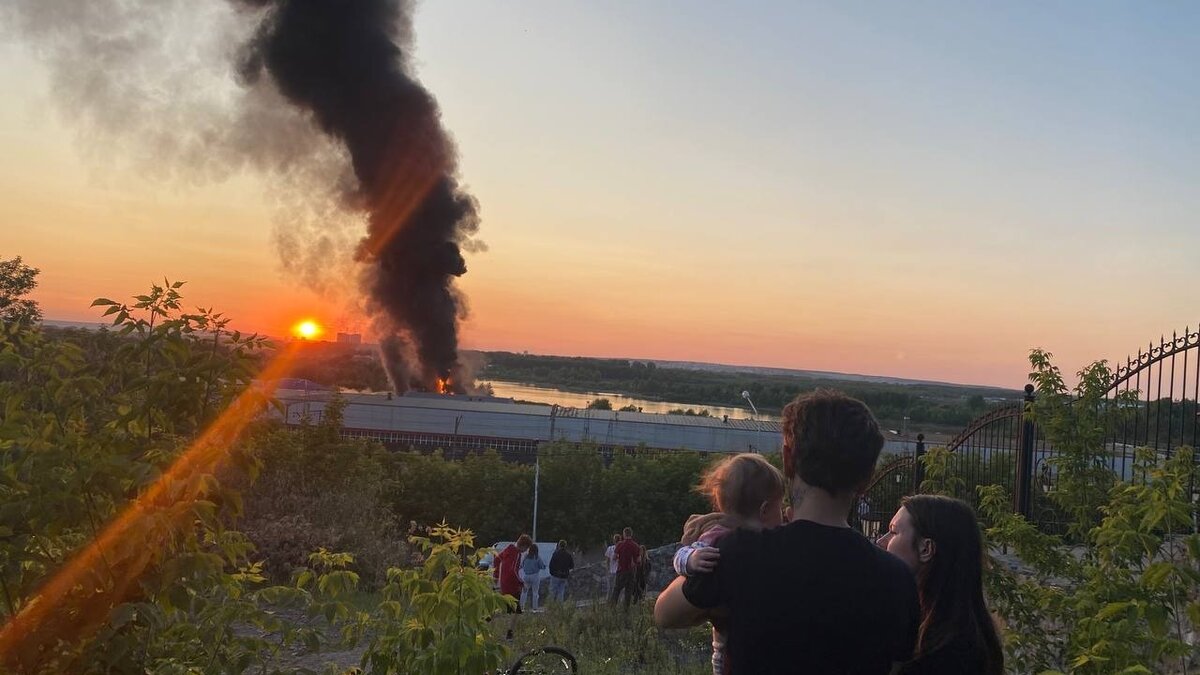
<point>465,423</point>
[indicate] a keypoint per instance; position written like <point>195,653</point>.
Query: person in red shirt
<point>507,567</point>
<point>628,555</point>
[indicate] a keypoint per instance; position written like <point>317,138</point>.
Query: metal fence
<point>1164,382</point>
<point>1151,403</point>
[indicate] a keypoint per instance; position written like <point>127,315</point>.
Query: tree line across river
<point>923,403</point>
<point>932,405</point>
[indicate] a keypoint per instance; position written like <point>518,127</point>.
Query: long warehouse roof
<point>506,419</point>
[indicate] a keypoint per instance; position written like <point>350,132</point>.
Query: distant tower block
<point>349,338</point>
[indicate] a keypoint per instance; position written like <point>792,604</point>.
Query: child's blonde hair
<point>741,484</point>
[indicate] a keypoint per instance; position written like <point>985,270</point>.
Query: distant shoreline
<point>666,363</point>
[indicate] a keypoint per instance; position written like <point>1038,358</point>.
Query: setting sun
<point>307,329</point>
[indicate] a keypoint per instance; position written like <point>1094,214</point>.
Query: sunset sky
<point>922,190</point>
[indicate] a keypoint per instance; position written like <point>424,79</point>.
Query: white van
<point>545,550</point>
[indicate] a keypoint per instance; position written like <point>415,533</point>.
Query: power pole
<point>537,470</point>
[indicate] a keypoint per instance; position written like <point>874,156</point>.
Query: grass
<point>607,640</point>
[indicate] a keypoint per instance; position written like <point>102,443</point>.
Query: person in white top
<point>610,554</point>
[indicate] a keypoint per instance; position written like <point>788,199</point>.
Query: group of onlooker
<point>519,566</point>
<point>628,568</point>
<point>518,569</point>
<point>797,590</point>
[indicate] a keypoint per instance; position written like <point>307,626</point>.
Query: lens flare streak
<point>74,602</point>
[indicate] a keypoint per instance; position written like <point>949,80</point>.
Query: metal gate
<point>1153,403</point>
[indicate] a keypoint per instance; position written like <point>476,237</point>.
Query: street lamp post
<point>537,472</point>
<point>746,395</point>
<point>537,468</point>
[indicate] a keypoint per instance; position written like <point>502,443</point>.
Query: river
<point>574,399</point>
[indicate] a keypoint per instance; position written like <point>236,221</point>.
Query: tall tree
<point>16,281</point>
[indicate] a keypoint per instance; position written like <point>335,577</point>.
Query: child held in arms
<point>747,492</point>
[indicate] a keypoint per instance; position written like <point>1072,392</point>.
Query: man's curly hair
<point>830,441</point>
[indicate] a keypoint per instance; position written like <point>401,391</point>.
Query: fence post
<point>918,466</point>
<point>1023,490</point>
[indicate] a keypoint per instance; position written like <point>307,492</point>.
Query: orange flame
<point>443,385</point>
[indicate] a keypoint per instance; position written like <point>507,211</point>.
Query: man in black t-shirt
<point>813,596</point>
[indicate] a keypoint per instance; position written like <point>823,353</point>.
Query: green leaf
<point>1156,574</point>
<point>1193,613</point>
<point>304,578</point>
<point>1156,618</point>
<point>312,641</point>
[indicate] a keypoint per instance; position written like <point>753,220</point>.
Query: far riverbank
<point>580,399</point>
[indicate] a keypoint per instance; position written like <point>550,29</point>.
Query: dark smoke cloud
<point>153,86</point>
<point>323,101</point>
<point>346,63</point>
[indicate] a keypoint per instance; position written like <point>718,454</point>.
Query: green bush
<point>431,619</point>
<point>492,497</point>
<point>1125,601</point>
<point>90,426</point>
<point>582,497</point>
<point>318,490</point>
<point>1117,590</point>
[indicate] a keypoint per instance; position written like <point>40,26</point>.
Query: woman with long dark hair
<point>939,539</point>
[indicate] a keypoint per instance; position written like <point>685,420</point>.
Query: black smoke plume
<point>322,103</point>
<point>346,62</point>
